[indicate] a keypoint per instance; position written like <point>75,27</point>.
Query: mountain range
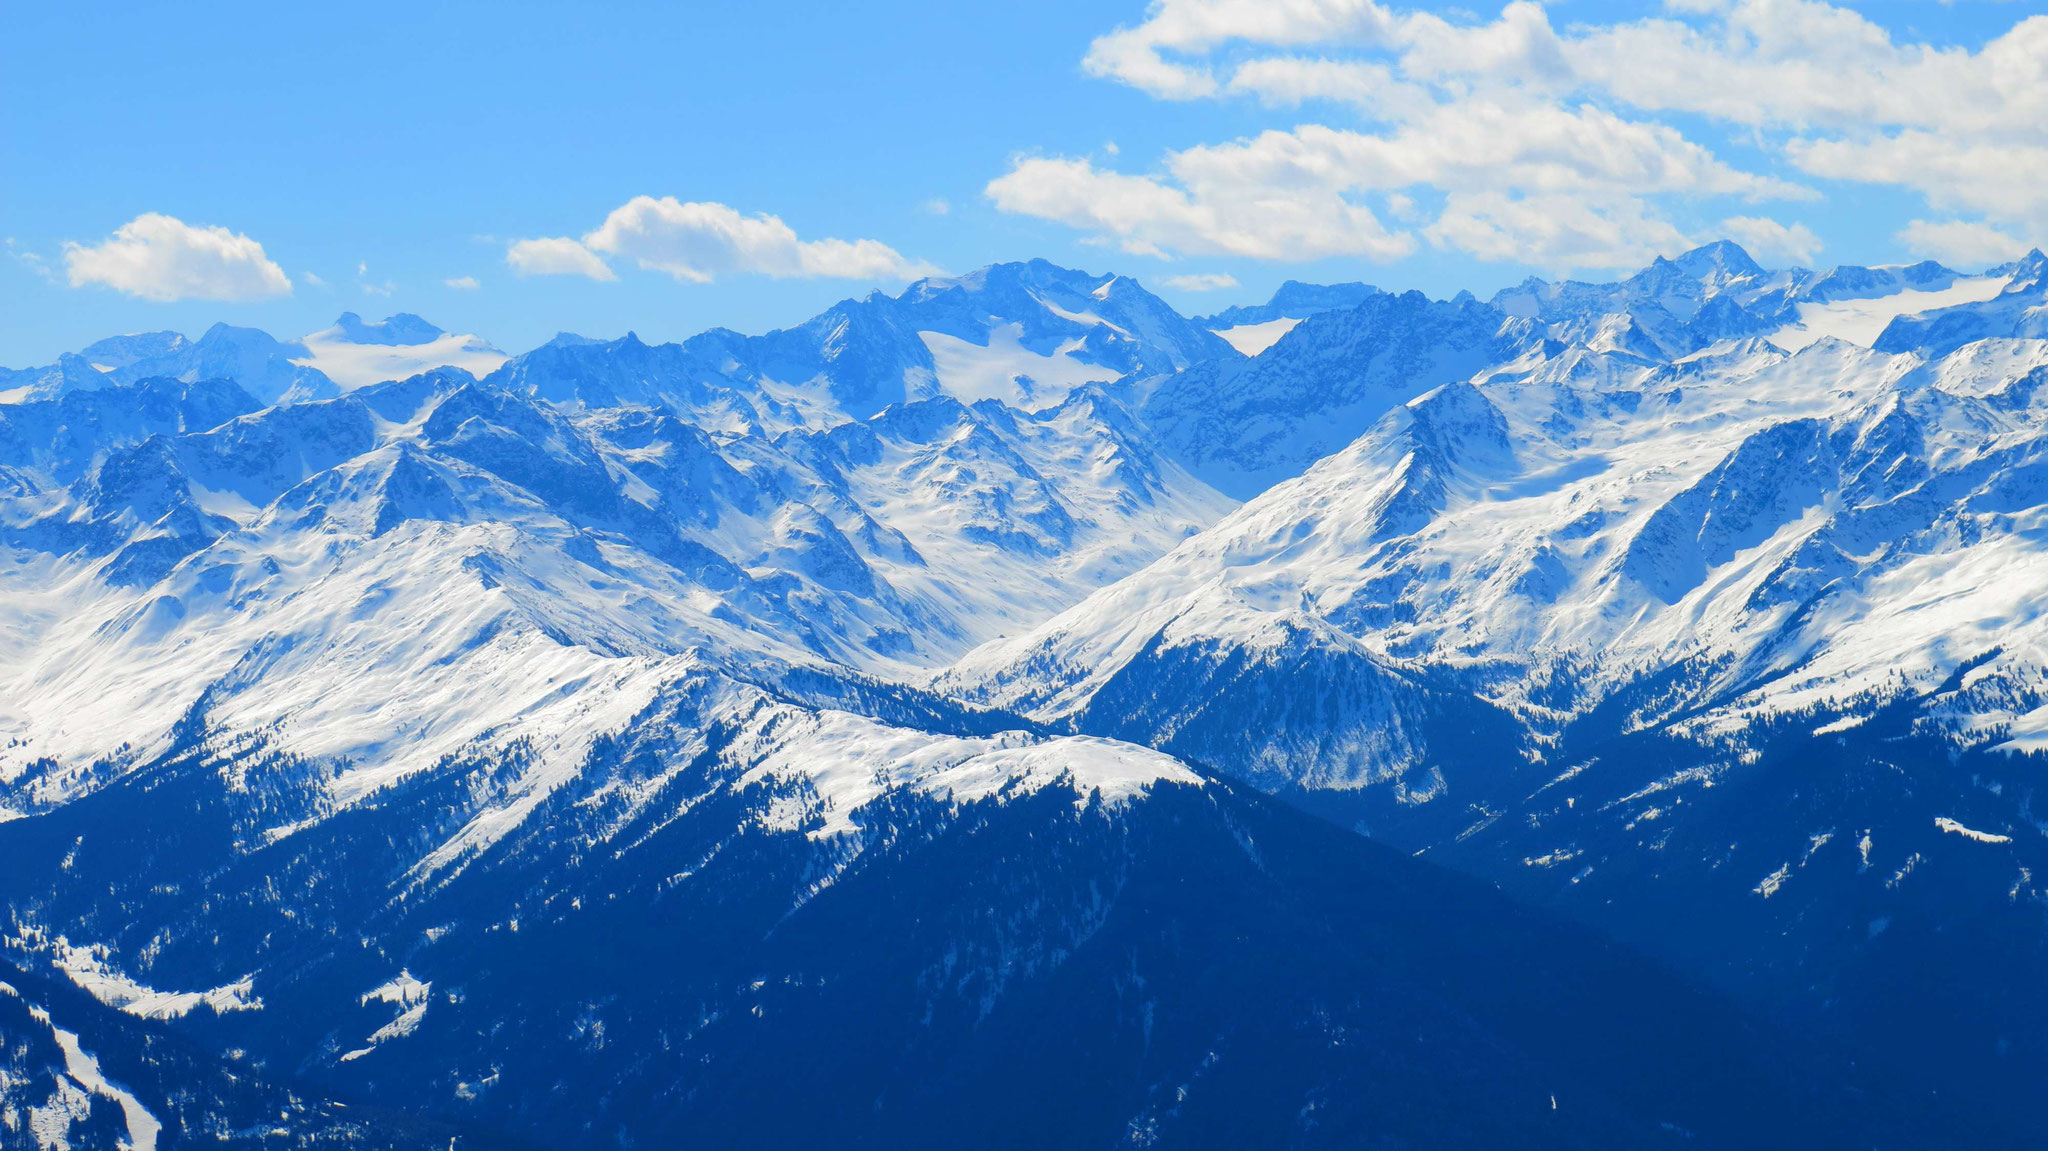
<point>1012,713</point>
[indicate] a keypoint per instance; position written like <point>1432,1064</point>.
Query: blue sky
<point>379,153</point>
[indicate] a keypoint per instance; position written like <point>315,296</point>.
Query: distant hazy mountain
<point>1253,328</point>
<point>350,354</point>
<point>1026,335</point>
<point>1243,424</point>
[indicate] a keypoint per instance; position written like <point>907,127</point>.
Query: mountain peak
<point>1724,256</point>
<point>121,351</point>
<point>1293,300</point>
<point>401,330</point>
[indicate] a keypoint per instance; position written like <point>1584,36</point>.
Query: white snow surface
<point>848,761</point>
<point>1954,827</point>
<point>410,996</point>
<point>1862,321</point>
<point>1004,369</point>
<point>84,1068</point>
<point>483,619</point>
<point>1251,339</point>
<point>87,967</point>
<point>352,365</point>
<point>1830,524</point>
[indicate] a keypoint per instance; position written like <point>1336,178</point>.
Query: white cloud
<point>313,279</point>
<point>1138,56</point>
<point>1497,125</point>
<point>556,256</point>
<point>1202,281</point>
<point>938,206</point>
<point>1559,231</point>
<point>31,261</point>
<point>1771,241</point>
<point>462,283</point>
<point>1963,243</point>
<point>2003,179</point>
<point>1544,184</point>
<point>159,257</point>
<point>699,242</point>
<point>1808,65</point>
<point>1211,211</point>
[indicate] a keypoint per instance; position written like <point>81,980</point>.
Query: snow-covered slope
<point>298,566</point>
<point>2012,306</point>
<point>1677,520</point>
<point>1780,525</point>
<point>745,916</point>
<point>874,685</point>
<point>1611,625</point>
<point>441,670</point>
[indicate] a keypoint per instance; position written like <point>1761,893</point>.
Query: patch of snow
<point>1955,828</point>
<point>1251,339</point>
<point>352,365</point>
<point>401,991</point>
<point>850,760</point>
<point>1775,880</point>
<point>86,967</point>
<point>405,992</point>
<point>1004,369</point>
<point>1860,322</point>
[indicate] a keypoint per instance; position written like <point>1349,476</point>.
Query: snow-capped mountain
<point>1533,520</point>
<point>221,562</point>
<point>1252,328</point>
<point>1026,335</point>
<point>348,355</point>
<point>355,352</point>
<point>263,366</point>
<point>439,663</point>
<point>1610,628</point>
<point>2019,311</point>
<point>1244,424</point>
<point>744,917</point>
<point>855,733</point>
